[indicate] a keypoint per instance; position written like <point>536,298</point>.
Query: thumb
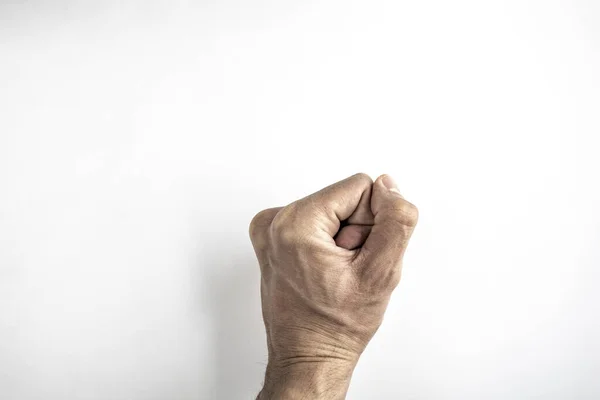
<point>394,221</point>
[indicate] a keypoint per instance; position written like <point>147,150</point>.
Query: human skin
<point>329,263</point>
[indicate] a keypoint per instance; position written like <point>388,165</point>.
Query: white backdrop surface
<point>138,138</point>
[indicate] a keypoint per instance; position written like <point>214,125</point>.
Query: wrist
<point>307,378</point>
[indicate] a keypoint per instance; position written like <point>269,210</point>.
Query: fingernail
<point>390,184</point>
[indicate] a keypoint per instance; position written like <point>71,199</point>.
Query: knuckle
<point>364,176</point>
<point>284,228</point>
<point>405,212</point>
<point>361,176</point>
<point>283,232</point>
<point>394,278</point>
<point>252,228</point>
<point>256,223</point>
<point>260,223</point>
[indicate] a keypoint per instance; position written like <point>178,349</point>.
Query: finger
<point>351,237</point>
<point>363,215</point>
<point>395,220</point>
<point>339,202</point>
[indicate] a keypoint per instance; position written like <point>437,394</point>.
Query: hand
<point>329,263</point>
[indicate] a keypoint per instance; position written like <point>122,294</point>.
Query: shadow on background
<point>230,277</point>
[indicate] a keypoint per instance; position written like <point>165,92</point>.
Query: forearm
<point>327,380</point>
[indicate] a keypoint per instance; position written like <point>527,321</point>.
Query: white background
<point>137,140</point>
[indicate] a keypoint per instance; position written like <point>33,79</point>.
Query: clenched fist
<point>329,263</point>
